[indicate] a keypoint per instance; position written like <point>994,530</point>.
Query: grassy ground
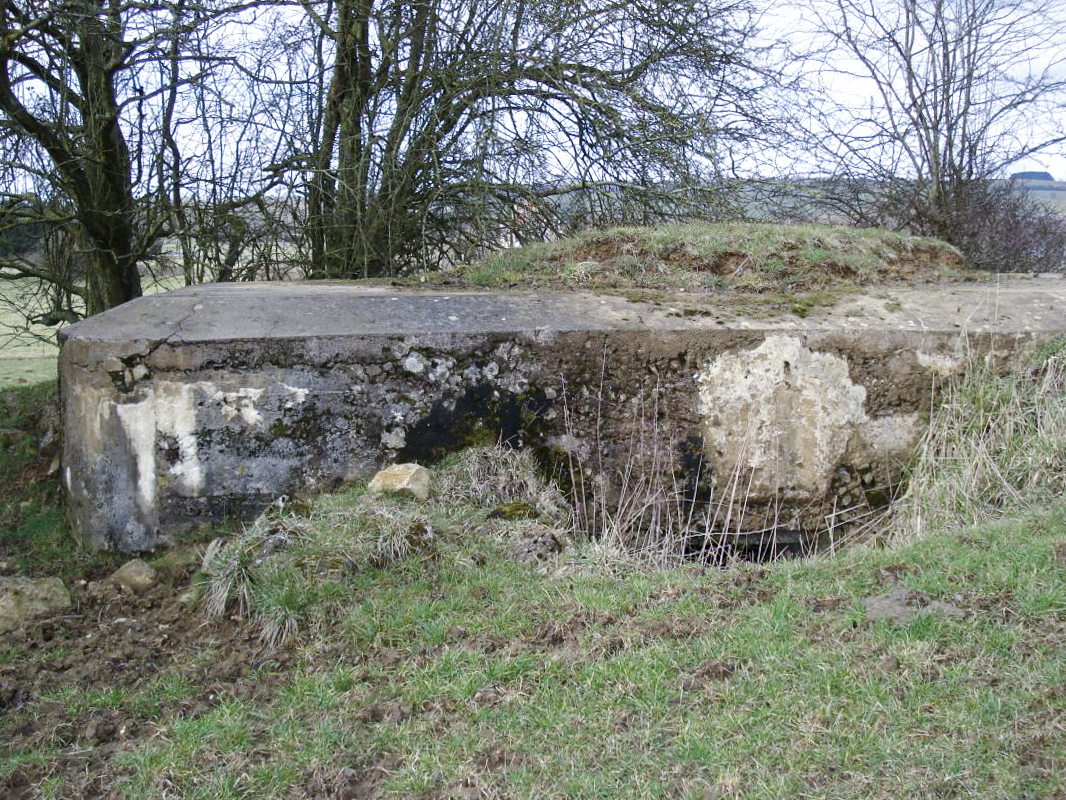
<point>27,352</point>
<point>34,539</point>
<point>471,675</point>
<point>349,648</point>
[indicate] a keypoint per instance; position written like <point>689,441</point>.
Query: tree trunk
<point>105,207</point>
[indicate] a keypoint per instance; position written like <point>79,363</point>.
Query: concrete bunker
<point>211,401</point>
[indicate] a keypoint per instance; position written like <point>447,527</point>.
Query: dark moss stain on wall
<point>479,415</point>
<point>694,472</point>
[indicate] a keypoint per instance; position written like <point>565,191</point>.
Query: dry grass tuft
<point>384,534</point>
<point>232,564</point>
<point>493,476</point>
<point>996,444</point>
<point>283,571</point>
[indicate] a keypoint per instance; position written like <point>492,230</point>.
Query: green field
<point>28,352</point>
<point>19,370</point>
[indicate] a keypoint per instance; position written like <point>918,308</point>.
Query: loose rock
<point>134,576</point>
<point>411,479</point>
<point>537,544</point>
<point>49,429</point>
<point>25,598</point>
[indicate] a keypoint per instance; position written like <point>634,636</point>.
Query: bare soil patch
<point>109,645</point>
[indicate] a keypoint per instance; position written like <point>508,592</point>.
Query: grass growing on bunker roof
<point>746,258</point>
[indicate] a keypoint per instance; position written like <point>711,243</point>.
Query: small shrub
<point>1001,229</point>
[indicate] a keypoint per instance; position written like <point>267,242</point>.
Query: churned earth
<point>742,683</point>
<point>95,680</point>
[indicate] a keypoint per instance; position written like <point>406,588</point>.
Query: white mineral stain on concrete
<point>179,421</point>
<point>779,415</point>
<point>299,395</point>
<point>240,403</point>
<point>415,364</point>
<point>168,409</point>
<point>89,407</point>
<point>138,422</point>
<point>942,365</point>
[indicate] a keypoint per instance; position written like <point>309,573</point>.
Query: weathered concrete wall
<point>212,401</point>
<point>785,420</point>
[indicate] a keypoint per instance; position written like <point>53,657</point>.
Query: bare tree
<point>226,141</point>
<point>922,105</point>
<point>126,124</point>
<point>445,125</point>
<point>225,117</point>
<point>59,85</point>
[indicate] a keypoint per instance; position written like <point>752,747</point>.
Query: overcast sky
<point>790,21</point>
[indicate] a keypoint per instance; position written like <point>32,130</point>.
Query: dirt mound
<point>716,259</point>
<point>796,263</point>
